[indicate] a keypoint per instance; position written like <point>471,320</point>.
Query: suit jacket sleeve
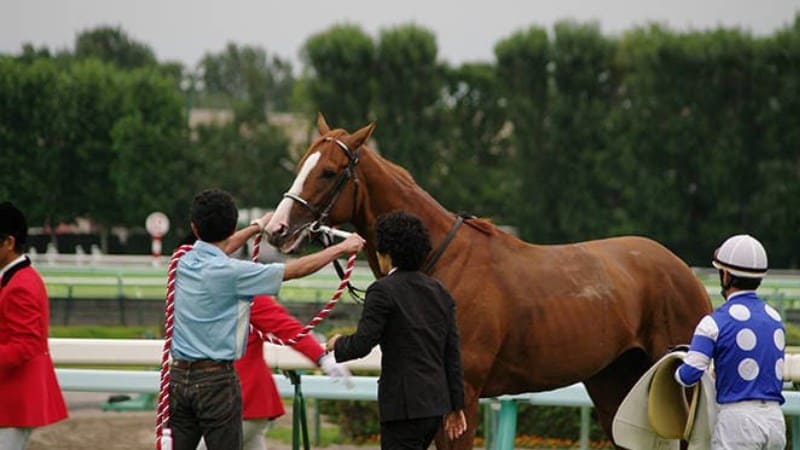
<point>268,316</point>
<point>377,309</point>
<point>452,360</point>
<point>23,315</point>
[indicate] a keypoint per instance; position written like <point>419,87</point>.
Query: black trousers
<point>410,433</point>
<point>205,402</point>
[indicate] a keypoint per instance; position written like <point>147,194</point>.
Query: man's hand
<point>352,244</point>
<point>335,370</point>
<point>331,344</point>
<point>262,222</point>
<point>455,424</point>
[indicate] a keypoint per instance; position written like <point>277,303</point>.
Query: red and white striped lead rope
<point>321,315</point>
<point>162,412</point>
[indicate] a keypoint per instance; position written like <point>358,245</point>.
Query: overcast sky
<point>465,30</point>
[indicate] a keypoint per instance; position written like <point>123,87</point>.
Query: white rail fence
<point>141,352</point>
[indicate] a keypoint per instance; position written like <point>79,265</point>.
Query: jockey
<point>745,338</point>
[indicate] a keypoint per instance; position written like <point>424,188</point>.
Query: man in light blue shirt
<point>212,314</point>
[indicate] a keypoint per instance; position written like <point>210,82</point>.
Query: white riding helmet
<point>743,256</point>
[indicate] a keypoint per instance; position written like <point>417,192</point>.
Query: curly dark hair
<point>214,214</point>
<point>404,237</point>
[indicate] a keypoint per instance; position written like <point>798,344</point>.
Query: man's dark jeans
<point>205,402</point>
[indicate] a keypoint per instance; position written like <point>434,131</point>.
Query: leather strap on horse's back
<point>434,257</point>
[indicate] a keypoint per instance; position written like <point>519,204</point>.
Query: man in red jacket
<point>29,393</point>
<point>261,401</point>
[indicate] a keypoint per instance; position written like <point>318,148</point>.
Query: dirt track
<point>88,427</point>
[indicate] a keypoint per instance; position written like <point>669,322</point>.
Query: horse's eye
<point>328,173</point>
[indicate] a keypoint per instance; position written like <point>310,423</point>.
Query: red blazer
<point>260,398</point>
<point>29,392</point>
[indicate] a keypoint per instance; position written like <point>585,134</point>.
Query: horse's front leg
<point>466,441</point>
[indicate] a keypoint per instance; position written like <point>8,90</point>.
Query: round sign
<point>157,224</point>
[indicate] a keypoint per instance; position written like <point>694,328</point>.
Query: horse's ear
<point>322,125</point>
<point>361,136</point>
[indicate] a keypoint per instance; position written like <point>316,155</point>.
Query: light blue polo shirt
<point>213,293</point>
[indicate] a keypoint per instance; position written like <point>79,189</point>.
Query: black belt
<point>202,364</point>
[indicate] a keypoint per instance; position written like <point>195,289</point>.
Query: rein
<point>164,434</point>
<point>434,257</point>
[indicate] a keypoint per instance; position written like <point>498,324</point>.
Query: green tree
<point>247,80</point>
<point>62,142</point>
<point>579,168</point>
<point>522,68</point>
<point>251,163</point>
<point>114,46</point>
<point>410,87</point>
<point>31,135</point>
<point>475,152</point>
<point>685,128</point>
<point>152,163</point>
<point>776,109</point>
<point>339,79</point>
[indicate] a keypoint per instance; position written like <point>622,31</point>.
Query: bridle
<point>321,214</point>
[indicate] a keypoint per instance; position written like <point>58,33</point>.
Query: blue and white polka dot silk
<point>746,339</point>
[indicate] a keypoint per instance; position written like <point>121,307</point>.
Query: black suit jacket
<point>412,317</point>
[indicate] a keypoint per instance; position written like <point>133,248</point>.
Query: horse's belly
<point>564,346</point>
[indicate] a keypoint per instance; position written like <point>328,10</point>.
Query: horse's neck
<point>388,188</point>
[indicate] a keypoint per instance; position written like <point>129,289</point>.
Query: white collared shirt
<point>11,264</point>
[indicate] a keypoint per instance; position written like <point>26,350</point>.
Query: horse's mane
<point>483,225</point>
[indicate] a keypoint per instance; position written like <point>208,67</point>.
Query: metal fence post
<point>585,419</point>
<point>507,425</point>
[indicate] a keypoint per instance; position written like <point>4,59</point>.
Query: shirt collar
<point>11,264</point>
<point>10,269</point>
<point>740,293</point>
<point>391,271</point>
<point>204,246</point>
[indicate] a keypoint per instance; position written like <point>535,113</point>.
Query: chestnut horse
<point>531,317</point>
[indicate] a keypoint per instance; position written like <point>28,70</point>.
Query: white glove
<point>333,369</point>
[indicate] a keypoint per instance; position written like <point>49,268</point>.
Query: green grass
<point>105,332</point>
<point>328,435</point>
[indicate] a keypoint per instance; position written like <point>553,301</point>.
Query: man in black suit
<point>412,317</point>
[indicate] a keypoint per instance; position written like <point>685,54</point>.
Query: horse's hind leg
<point>609,387</point>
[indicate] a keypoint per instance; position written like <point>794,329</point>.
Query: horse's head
<point>325,190</point>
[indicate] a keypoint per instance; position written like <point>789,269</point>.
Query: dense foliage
<point>568,135</point>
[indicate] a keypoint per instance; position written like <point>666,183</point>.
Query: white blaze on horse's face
<point>280,220</point>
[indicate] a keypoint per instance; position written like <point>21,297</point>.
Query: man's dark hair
<point>746,284</point>
<point>404,237</point>
<point>13,223</point>
<point>741,283</point>
<point>214,214</point>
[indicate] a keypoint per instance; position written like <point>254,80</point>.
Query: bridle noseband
<point>321,214</point>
